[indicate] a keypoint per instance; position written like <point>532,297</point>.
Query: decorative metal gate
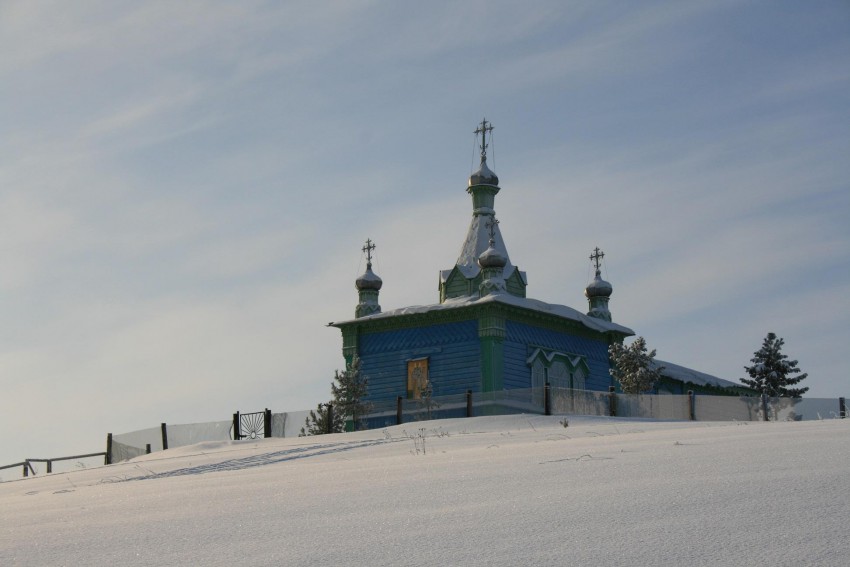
<point>252,425</point>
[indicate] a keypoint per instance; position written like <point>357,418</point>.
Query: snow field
<point>507,490</point>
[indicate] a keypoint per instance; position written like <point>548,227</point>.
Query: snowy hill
<point>508,490</point>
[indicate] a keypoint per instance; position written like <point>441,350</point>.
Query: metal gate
<point>254,425</point>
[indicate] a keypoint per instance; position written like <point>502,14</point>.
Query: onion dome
<point>484,176</point>
<point>598,288</point>
<point>369,280</point>
<point>491,258</point>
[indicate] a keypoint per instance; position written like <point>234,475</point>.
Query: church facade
<point>484,334</point>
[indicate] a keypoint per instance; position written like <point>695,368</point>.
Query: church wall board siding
<point>451,348</point>
<point>517,372</point>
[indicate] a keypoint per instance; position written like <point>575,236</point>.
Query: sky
<point>185,188</point>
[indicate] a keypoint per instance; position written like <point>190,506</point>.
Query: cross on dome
<point>491,228</point>
<point>368,250</point>
<point>596,257</point>
<point>482,129</point>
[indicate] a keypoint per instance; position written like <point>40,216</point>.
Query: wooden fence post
<point>267,423</point>
<point>147,448</point>
<point>691,408</point>
<point>330,424</point>
<point>612,401</point>
<point>26,466</point>
<point>764,407</point>
<point>469,403</point>
<point>399,410</point>
<point>236,427</point>
<point>842,408</point>
<point>49,466</point>
<point>547,399</point>
<point>107,460</point>
<point>164,436</point>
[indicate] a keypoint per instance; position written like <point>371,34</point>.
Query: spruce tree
<point>426,398</point>
<point>348,389</point>
<point>634,368</point>
<point>772,373</point>
<point>317,422</point>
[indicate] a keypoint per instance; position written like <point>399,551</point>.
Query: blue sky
<point>185,187</point>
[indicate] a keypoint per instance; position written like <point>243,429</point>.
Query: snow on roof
<point>684,374</point>
<point>532,304</point>
<point>477,241</point>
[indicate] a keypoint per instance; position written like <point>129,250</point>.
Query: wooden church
<point>485,334</point>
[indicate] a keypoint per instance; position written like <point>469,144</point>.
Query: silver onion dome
<point>369,280</point>
<point>492,258</point>
<point>484,176</point>
<point>598,287</point>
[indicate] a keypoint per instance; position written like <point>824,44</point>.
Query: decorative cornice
<point>502,311</point>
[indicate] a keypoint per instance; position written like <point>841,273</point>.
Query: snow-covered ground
<point>510,490</point>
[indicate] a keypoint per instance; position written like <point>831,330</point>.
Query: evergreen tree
<point>772,372</point>
<point>634,368</point>
<point>426,397</point>
<point>317,422</point>
<point>348,389</point>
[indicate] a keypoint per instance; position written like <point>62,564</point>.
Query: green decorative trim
<point>492,364</point>
<point>494,311</point>
<point>456,285</point>
<point>555,323</point>
<point>491,325</point>
<point>483,196</point>
<point>515,284</point>
<point>544,353</point>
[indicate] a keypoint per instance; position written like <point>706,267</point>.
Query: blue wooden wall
<point>452,349</point>
<point>521,339</point>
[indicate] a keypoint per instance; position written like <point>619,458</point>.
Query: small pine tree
<point>772,373</point>
<point>426,396</point>
<point>348,389</point>
<point>317,422</point>
<point>634,368</point>
<point>348,393</point>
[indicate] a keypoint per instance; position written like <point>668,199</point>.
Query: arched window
<point>559,376</point>
<point>538,374</point>
<point>538,380</point>
<point>578,378</point>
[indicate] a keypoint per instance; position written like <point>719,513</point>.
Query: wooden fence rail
<point>28,468</point>
<point>50,462</point>
<point>25,464</point>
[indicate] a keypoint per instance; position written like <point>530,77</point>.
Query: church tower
<point>598,292</point>
<point>467,276</point>
<point>368,285</point>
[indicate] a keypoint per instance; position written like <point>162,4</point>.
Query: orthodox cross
<point>368,250</point>
<point>491,228</point>
<point>483,129</point>
<point>596,256</point>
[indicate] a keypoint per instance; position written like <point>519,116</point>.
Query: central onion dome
<point>484,176</point>
<point>598,288</point>
<point>369,280</point>
<point>491,258</point>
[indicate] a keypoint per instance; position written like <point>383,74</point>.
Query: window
<point>538,374</point>
<point>562,370</point>
<point>578,378</point>
<point>417,377</point>
<point>559,376</point>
